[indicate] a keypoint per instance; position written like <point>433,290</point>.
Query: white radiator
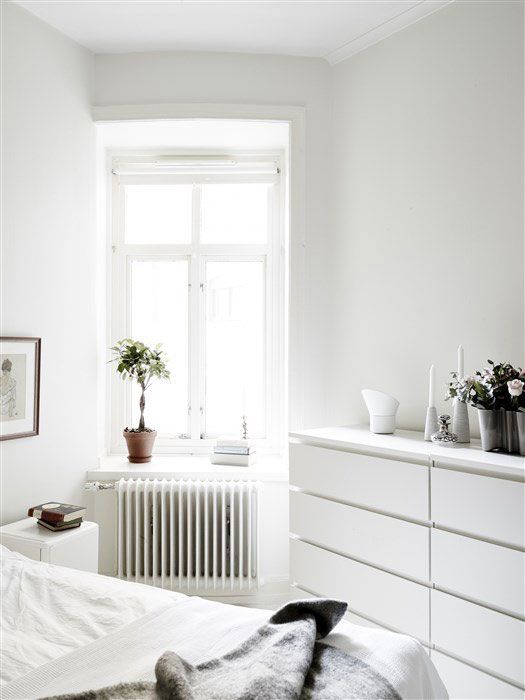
<point>192,536</point>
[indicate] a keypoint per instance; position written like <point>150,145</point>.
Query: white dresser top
<point>410,445</point>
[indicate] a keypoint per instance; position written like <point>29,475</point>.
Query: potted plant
<point>137,362</point>
<point>497,391</point>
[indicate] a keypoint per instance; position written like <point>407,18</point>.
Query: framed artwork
<point>19,387</point>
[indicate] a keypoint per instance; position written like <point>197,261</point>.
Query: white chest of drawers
<point>421,540</point>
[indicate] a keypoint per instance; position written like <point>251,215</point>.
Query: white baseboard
<point>269,596</point>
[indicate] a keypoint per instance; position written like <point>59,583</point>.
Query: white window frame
<point>273,253</point>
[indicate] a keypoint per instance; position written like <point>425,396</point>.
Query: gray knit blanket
<point>282,660</point>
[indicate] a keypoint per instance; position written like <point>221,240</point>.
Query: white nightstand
<point>76,548</point>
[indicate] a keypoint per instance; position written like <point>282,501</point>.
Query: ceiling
<point>330,29</point>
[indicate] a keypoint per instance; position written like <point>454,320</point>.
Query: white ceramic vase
<point>382,409</point>
<point>460,421</point>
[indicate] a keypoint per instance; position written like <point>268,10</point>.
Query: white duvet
<point>67,631</point>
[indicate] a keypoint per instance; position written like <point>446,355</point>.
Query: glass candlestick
<point>444,437</point>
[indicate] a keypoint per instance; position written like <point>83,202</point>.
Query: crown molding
<point>386,29</point>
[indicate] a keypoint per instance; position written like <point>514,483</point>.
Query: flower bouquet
<point>497,391</point>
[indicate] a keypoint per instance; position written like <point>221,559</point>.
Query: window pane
<point>158,213</point>
<point>234,213</point>
<point>235,348</point>
<point>159,314</point>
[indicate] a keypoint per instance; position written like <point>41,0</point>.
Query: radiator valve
<point>98,485</point>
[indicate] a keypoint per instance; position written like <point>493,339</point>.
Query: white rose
<point>515,387</point>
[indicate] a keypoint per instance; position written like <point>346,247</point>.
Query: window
<point>198,265</point>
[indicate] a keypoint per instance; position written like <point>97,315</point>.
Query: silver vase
<point>510,432</point>
<point>460,422</point>
<point>502,431</point>
<point>520,422</point>
<point>514,432</point>
<point>491,430</point>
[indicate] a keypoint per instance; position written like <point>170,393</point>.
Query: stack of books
<point>57,516</point>
<point>240,453</point>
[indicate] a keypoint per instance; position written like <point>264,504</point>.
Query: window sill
<point>114,467</point>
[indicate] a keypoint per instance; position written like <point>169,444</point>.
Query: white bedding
<point>66,631</point>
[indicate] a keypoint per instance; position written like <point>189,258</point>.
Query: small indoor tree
<point>141,364</point>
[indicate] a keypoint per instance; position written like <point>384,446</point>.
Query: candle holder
<point>443,437</point>
<point>431,423</point>
<point>460,421</point>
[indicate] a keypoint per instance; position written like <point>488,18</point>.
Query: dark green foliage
<point>137,362</point>
<point>490,388</point>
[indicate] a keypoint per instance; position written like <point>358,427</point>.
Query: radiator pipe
<point>99,485</point>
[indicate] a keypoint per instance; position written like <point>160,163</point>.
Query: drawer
<point>388,599</point>
<point>465,682</point>
<point>349,616</point>
<point>79,553</point>
<point>379,539</point>
<point>28,549</point>
<point>481,636</point>
<point>485,572</point>
<point>359,621</point>
<point>374,482</point>
<point>479,505</point>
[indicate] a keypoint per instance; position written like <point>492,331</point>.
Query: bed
<point>69,631</point>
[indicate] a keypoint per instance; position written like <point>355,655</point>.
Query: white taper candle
<point>431,387</point>
<point>461,364</point>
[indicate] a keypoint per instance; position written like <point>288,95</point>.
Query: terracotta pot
<point>140,446</point>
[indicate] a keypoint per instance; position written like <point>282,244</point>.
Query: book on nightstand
<point>60,527</point>
<point>56,513</point>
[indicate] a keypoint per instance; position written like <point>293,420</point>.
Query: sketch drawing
<point>12,387</point>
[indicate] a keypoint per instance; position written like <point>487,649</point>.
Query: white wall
<point>425,248</point>
<point>427,239</point>
<point>179,77</point>
<point>48,254</point>
<point>405,220</point>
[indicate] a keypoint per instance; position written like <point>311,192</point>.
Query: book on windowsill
<point>234,460</point>
<point>226,441</point>
<point>224,450</point>
<point>56,512</point>
<point>62,526</point>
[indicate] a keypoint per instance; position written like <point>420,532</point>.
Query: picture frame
<point>19,387</point>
